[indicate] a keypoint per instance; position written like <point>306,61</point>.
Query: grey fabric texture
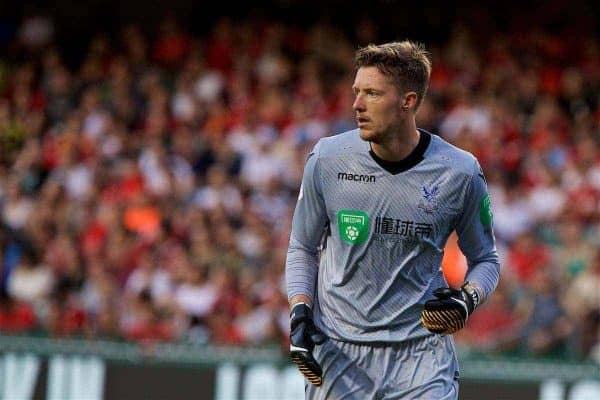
<point>366,245</point>
<point>423,369</point>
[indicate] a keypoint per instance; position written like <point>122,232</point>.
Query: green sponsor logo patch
<point>485,210</point>
<point>353,225</point>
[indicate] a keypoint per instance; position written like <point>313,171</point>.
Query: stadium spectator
<point>147,186</point>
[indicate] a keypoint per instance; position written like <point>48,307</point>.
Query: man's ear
<point>409,101</point>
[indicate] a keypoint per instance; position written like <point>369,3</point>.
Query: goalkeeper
<point>371,315</point>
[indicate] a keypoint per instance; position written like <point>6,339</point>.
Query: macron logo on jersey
<point>343,176</point>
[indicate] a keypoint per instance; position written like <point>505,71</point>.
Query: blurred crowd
<point>147,192</point>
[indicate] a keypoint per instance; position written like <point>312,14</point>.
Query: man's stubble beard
<point>374,137</point>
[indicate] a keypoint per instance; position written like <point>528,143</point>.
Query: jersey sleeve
<point>308,226</point>
<point>476,236</point>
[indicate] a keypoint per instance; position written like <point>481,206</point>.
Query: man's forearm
<point>484,276</point>
<point>301,271</point>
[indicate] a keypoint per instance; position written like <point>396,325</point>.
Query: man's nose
<point>359,104</point>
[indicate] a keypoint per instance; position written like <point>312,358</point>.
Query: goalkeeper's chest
<point>416,204</point>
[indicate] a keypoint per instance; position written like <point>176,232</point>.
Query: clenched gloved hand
<point>303,338</point>
<point>450,310</point>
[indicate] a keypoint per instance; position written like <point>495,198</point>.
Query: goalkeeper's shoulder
<point>453,157</point>
<point>341,144</point>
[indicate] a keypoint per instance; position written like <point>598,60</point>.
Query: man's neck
<point>400,145</point>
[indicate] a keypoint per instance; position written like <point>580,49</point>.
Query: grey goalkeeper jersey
<point>368,237</point>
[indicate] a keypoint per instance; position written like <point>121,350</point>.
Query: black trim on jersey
<point>415,157</point>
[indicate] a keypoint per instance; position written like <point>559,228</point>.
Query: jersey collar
<point>415,157</point>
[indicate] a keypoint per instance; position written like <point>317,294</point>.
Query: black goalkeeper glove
<point>303,337</point>
<point>450,311</point>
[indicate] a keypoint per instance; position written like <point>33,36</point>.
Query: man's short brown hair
<point>406,62</point>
